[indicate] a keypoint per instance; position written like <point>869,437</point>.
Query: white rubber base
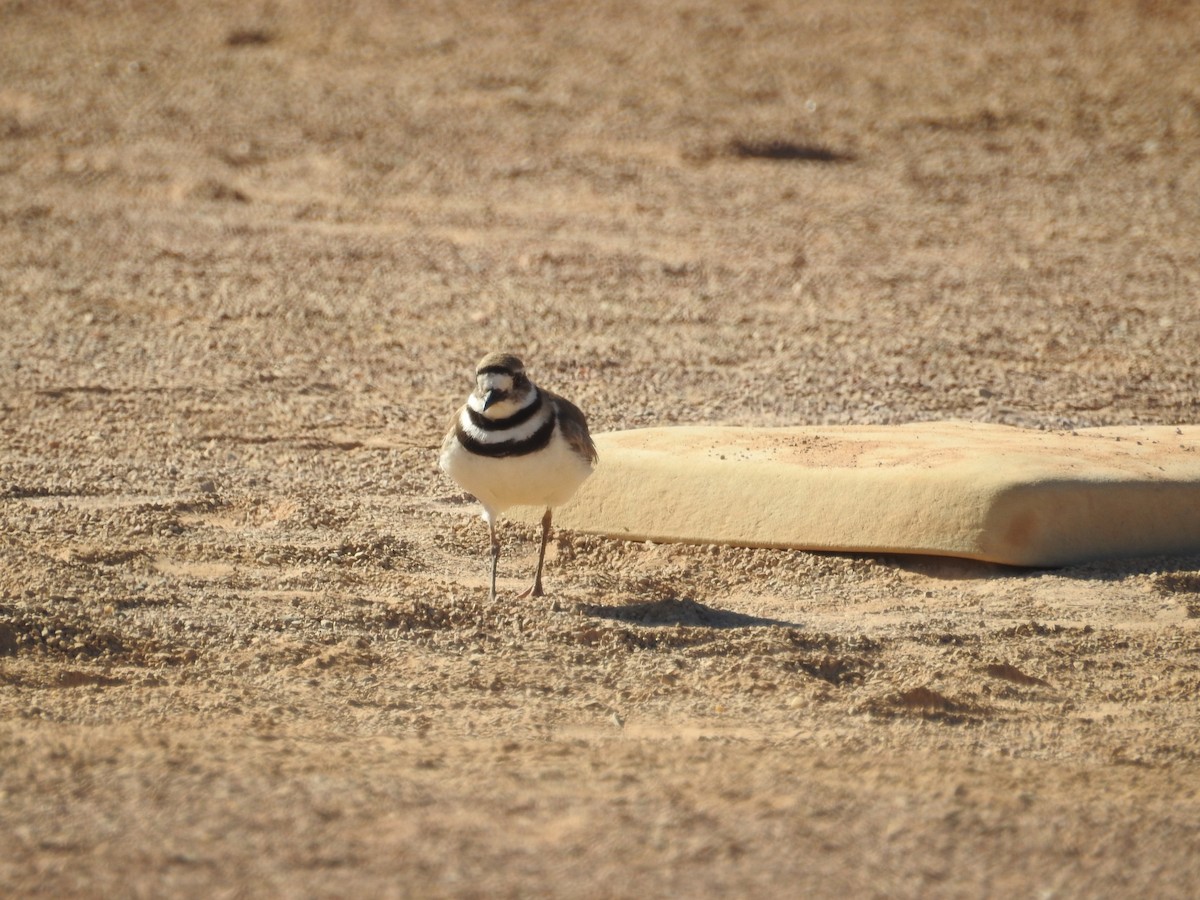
<point>987,492</point>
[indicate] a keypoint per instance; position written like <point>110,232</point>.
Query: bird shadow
<point>779,150</point>
<point>680,611</point>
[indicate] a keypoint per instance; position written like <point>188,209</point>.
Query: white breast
<point>546,478</point>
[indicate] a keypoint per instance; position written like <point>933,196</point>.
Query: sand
<point>248,257</point>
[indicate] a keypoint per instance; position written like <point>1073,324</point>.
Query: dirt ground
<point>249,254</point>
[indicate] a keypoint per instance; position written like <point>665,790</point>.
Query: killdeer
<point>515,444</point>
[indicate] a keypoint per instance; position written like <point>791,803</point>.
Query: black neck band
<point>522,415</point>
<point>536,441</point>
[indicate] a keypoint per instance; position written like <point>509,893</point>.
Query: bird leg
<point>535,590</point>
<point>495,553</point>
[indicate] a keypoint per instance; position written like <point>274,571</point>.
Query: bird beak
<point>492,396</point>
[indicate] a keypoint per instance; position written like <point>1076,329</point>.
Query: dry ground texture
<point>249,253</point>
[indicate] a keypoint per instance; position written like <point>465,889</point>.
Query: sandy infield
<point>249,254</point>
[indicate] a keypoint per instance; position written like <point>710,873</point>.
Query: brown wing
<point>451,427</point>
<point>574,426</point>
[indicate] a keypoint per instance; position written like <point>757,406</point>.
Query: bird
<point>516,444</point>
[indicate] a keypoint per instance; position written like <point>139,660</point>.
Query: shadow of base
<point>949,568</point>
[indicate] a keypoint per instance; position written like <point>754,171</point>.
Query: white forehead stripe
<point>496,381</point>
